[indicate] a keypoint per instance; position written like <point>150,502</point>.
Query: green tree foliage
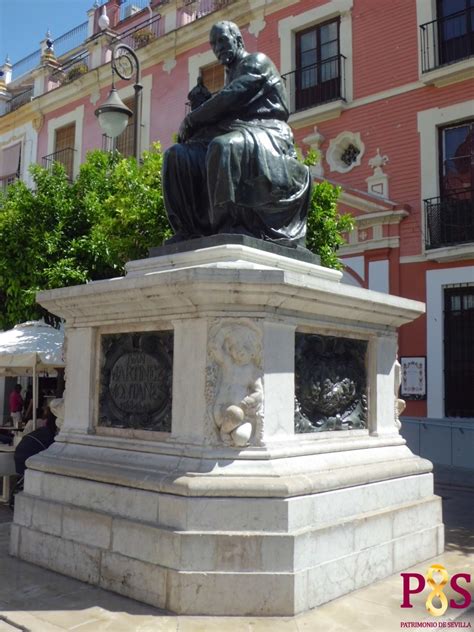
<point>325,225</point>
<point>61,234</point>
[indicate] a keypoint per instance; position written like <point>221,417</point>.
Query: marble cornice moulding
<point>191,292</point>
<point>289,448</point>
<point>359,248</point>
<point>62,96</point>
<point>383,218</point>
<point>242,477</point>
<point>363,201</point>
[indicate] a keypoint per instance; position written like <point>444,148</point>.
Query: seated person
<point>35,442</point>
<point>6,437</point>
<point>235,169</point>
<point>41,418</point>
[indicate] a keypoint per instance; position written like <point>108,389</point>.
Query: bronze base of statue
<point>294,252</point>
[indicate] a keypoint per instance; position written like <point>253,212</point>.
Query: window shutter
<point>10,160</point>
<point>65,137</point>
<point>213,77</point>
<point>124,142</point>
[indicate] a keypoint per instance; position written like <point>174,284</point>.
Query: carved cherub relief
<point>400,404</point>
<point>236,396</point>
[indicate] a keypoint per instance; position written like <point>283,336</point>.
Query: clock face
<point>123,63</point>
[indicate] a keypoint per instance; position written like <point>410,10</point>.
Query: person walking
<point>16,405</point>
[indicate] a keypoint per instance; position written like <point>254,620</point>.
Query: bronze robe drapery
<point>238,172</point>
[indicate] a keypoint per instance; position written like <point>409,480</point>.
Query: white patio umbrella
<point>29,348</point>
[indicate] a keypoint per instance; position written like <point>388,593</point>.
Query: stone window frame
<point>436,281</point>
<point>287,29</point>
<point>195,63</point>
<point>429,122</point>
<point>76,116</point>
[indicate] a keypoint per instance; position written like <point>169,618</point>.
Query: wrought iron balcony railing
<point>194,9</point>
<point>72,69</point>
<point>316,84</point>
<point>20,99</point>
<point>143,33</point>
<point>450,219</point>
<point>447,40</point>
<point>65,157</point>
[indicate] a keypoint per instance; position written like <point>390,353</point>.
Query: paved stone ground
<point>36,600</point>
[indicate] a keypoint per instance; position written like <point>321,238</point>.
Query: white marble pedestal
<point>191,522</point>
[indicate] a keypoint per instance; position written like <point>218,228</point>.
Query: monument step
<point>214,514</point>
<point>228,592</point>
<point>229,550</point>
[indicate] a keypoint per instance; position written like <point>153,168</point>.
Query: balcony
<point>143,33</point>
<point>450,219</point>
<point>19,99</point>
<point>72,69</point>
<point>447,40</point>
<point>317,84</point>
<point>63,156</point>
<point>195,9</point>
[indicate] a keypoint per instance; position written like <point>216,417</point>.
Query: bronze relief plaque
<point>330,383</point>
<point>136,381</point>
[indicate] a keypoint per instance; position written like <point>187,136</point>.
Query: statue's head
<point>226,42</point>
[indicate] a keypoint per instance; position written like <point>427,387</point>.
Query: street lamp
<point>114,115</point>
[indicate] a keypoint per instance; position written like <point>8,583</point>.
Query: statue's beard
<point>227,57</point>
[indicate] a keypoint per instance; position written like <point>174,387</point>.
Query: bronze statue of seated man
<point>235,169</point>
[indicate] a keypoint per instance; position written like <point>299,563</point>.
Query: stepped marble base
<point>189,520</point>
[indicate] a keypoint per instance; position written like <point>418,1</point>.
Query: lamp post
<point>114,115</point>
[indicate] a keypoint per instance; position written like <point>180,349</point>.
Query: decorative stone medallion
<point>345,152</point>
<point>330,383</point>
<point>136,381</point>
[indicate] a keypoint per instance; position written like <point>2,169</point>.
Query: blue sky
<point>23,23</point>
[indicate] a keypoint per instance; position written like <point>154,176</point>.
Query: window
<point>457,158</point>
<point>213,77</point>
<point>450,217</point>
<point>459,351</point>
<point>64,148</point>
<point>125,142</point>
<point>10,159</point>
<point>318,65</point>
<point>455,30</point>
<point>316,60</point>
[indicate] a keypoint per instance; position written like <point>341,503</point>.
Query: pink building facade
<point>383,91</point>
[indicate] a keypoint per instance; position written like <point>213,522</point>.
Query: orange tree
<point>58,234</point>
